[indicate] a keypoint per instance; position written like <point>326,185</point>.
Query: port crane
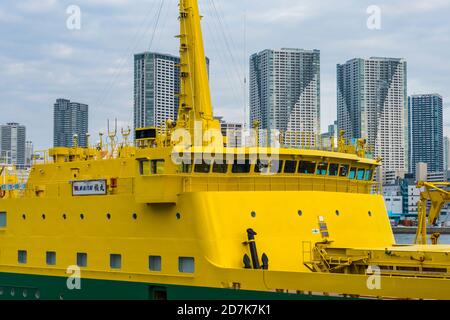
<point>439,195</point>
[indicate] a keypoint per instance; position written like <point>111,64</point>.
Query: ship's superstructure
<point>182,217</point>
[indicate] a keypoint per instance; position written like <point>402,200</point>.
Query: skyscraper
<point>156,86</point>
<point>285,93</point>
<point>446,154</point>
<point>70,118</point>
<point>372,104</point>
<point>426,132</point>
<point>12,144</point>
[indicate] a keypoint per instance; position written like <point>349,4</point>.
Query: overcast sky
<point>41,59</point>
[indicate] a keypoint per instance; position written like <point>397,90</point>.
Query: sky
<point>45,56</point>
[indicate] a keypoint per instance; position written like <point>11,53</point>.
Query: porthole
<point>24,217</point>
<point>64,216</point>
<point>370,213</point>
<point>43,217</point>
<point>300,213</point>
<point>135,216</point>
<point>338,213</point>
<point>253,214</point>
<point>108,216</point>
<point>82,216</point>
<point>178,216</point>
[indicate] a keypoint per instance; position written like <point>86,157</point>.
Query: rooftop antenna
<point>126,134</point>
<point>112,137</point>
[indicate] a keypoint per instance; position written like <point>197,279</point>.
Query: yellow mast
<point>195,96</point>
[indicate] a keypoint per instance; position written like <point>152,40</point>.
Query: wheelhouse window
<point>322,169</point>
<point>369,174</point>
<point>148,167</point>
<point>240,166</point>
<point>307,167</point>
<point>352,174</point>
<point>333,169</point>
<point>157,166</point>
<point>144,167</point>
<point>343,170</point>
<point>360,174</point>
<point>220,167</point>
<point>202,167</point>
<point>290,166</point>
<point>264,166</point>
<point>186,168</point>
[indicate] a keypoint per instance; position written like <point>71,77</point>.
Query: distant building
<point>446,153</point>
<point>372,104</point>
<point>330,138</point>
<point>70,118</point>
<point>156,89</point>
<point>29,150</point>
<point>233,132</point>
<point>426,135</point>
<point>285,94</point>
<point>12,144</point>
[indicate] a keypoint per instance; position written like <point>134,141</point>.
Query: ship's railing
<point>296,140</point>
<point>277,183</point>
<point>40,157</point>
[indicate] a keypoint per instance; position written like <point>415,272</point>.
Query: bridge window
<point>322,169</point>
<point>360,175</point>
<point>157,166</point>
<point>290,166</point>
<point>241,166</point>
<point>343,170</point>
<point>154,263</point>
<point>144,167</point>
<point>2,219</point>
<point>186,168</point>
<point>202,168</point>
<point>307,167</point>
<point>50,258</point>
<point>369,175</point>
<point>265,166</point>
<point>22,256</point>
<point>220,167</point>
<point>352,174</point>
<point>333,170</point>
<point>186,265</point>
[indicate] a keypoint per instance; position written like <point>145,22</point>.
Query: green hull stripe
<point>32,287</point>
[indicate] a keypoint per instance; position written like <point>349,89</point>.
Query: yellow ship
<point>136,223</point>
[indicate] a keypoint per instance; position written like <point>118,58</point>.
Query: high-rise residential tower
<point>285,93</point>
<point>156,89</point>
<point>426,132</point>
<point>70,119</point>
<point>372,104</point>
<point>12,144</point>
<point>446,153</point>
